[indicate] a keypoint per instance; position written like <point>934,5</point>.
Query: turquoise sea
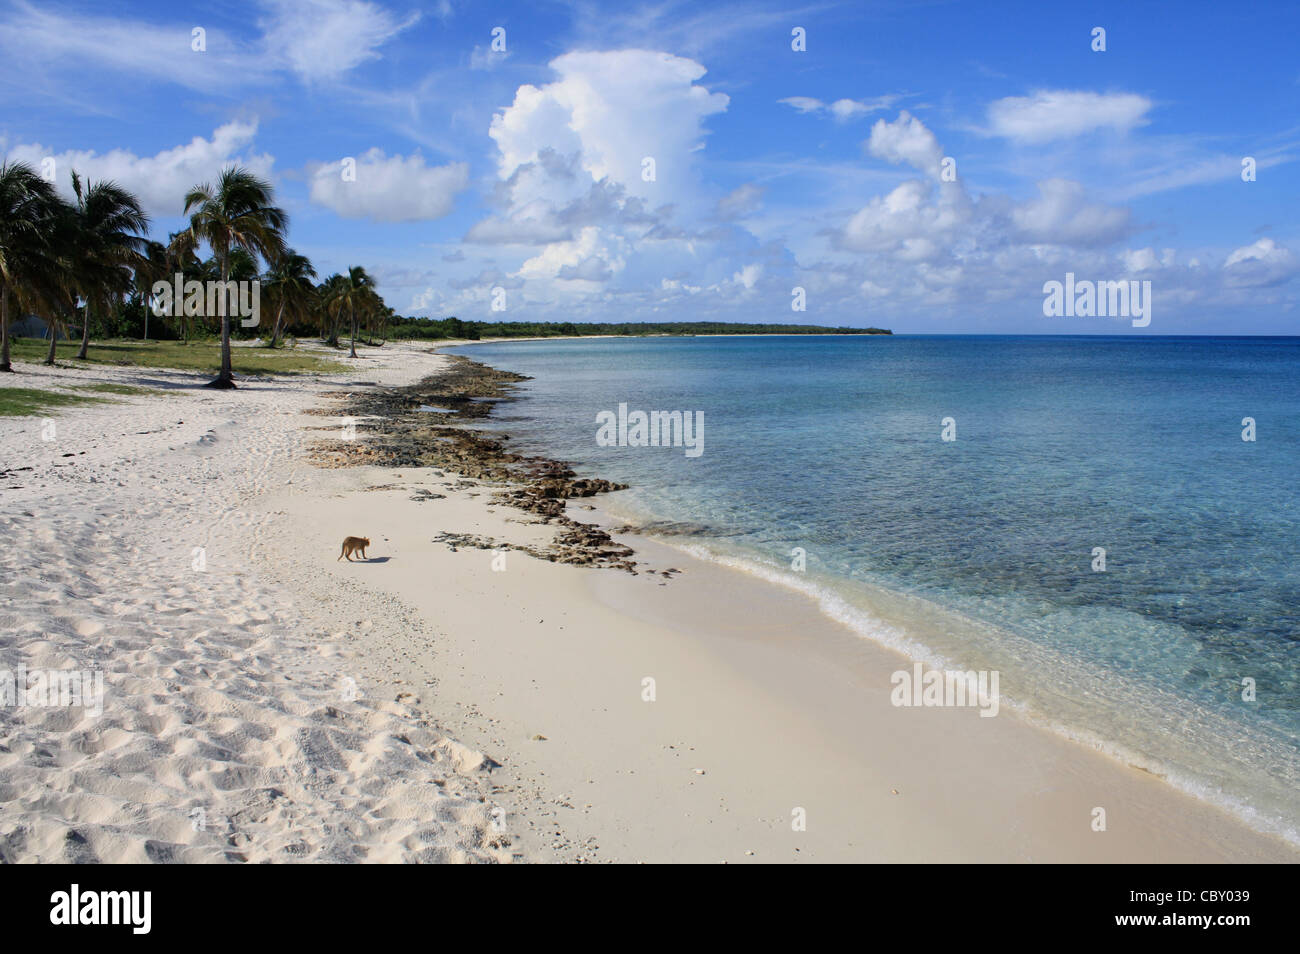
<point>980,552</point>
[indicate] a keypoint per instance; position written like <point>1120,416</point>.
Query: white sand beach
<point>231,729</point>
<point>442,703</point>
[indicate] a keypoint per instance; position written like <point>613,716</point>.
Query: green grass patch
<point>201,356</point>
<point>21,402</point>
<point>117,388</point>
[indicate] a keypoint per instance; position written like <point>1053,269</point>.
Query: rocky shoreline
<point>427,425</point>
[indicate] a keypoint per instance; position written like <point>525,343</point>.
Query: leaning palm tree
<point>354,292</point>
<point>235,214</point>
<point>290,283</point>
<point>108,242</point>
<point>28,206</point>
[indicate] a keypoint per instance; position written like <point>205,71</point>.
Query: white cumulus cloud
<point>160,180</point>
<point>1062,215</point>
<point>1259,264</point>
<point>1064,114</point>
<point>598,171</point>
<point>613,110</point>
<point>928,240</point>
<point>906,140</point>
<point>748,276</point>
<point>389,188</point>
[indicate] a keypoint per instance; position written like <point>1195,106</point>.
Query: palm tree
<point>154,266</point>
<point>326,292</point>
<point>107,244</point>
<point>290,282</point>
<point>64,274</point>
<point>355,290</point>
<point>242,266</point>
<point>181,259</point>
<point>236,214</point>
<point>386,315</point>
<point>28,206</point>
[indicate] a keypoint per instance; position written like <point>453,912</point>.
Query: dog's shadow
<point>377,559</point>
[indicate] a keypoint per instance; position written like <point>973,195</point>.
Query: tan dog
<point>353,545</point>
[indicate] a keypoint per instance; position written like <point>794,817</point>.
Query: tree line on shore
<point>435,328</point>
<point>89,261</point>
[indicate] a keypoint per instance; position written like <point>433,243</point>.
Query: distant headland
<point>433,328</point>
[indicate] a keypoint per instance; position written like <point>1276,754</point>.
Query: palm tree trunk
<point>54,337</point>
<point>352,312</point>
<point>275,333</point>
<point>4,329</point>
<point>226,379</point>
<point>85,334</point>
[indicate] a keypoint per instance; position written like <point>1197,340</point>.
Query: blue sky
<point>523,172</point>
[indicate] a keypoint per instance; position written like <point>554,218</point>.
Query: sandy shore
<point>447,702</point>
<point>232,728</point>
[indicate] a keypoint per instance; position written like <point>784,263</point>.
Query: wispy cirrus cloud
<point>314,40</point>
<point>324,39</point>
<point>841,110</point>
<point>742,201</point>
<point>39,41</point>
<point>1172,163</point>
<point>685,27</point>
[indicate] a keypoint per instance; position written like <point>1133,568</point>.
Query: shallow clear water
<point>978,552</point>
